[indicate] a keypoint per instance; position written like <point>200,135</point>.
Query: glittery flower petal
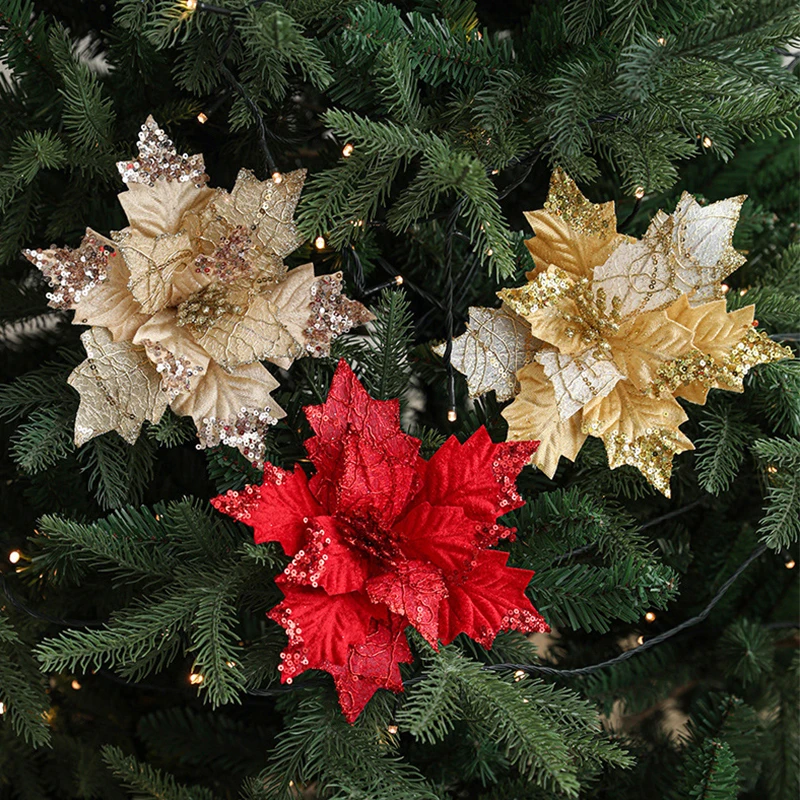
<point>466,475</point>
<point>414,590</point>
<point>534,415</point>
<point>365,463</point>
<point>163,208</point>
<point>577,380</point>
<point>279,510</point>
<point>111,305</point>
<point>265,208</point>
<point>118,386</point>
<point>645,342</point>
<point>714,330</point>
<point>155,266</point>
<point>488,598</point>
<point>235,408</point>
<point>687,252</point>
<point>495,345</point>
<point>571,232</point>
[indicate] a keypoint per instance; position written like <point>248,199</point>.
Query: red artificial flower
<point>381,539</point>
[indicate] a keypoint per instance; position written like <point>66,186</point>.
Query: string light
<point>191,5</point>
<point>452,415</point>
<point>277,177</point>
<point>495,172</point>
<point>640,640</point>
<point>392,729</point>
<point>2,709</point>
<point>398,279</point>
<point>661,40</point>
<point>347,150</point>
<point>75,684</point>
<point>195,678</point>
<point>319,242</point>
<point>14,556</point>
<point>519,675</point>
<point>650,616</point>
<point>707,142</point>
<point>725,288</point>
<point>490,252</point>
<point>202,118</point>
<point>742,292</point>
<point>772,469</point>
<point>639,193</point>
<point>790,564</point>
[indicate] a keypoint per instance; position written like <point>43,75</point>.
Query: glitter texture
<point>73,273</point>
<point>196,286</point>
<point>620,327</point>
<point>380,539</point>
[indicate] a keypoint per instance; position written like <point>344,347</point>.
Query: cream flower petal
<point>119,388</point>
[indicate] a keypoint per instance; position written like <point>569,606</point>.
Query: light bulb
<point>640,640</point>
<point>392,729</point>
<point>519,675</point>
<point>347,150</point>
<point>490,252</point>
<point>452,415</point>
<point>639,193</point>
<point>790,564</point>
<point>650,616</point>
<point>191,5</point>
<point>202,118</point>
<point>319,242</point>
<point>398,279</point>
<point>725,288</point>
<point>2,709</point>
<point>661,40</point>
<point>707,142</point>
<point>75,685</point>
<point>14,556</point>
<point>195,678</point>
<point>277,177</point>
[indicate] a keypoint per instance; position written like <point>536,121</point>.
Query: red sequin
<point>381,539</point>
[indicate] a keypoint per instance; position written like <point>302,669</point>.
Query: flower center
<point>364,533</point>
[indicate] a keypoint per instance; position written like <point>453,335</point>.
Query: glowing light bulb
<point>742,292</point>
<point>495,172</point>
<point>195,678</point>
<point>772,469</point>
<point>725,288</point>
<point>661,40</point>
<point>392,729</point>
<point>191,5</point>
<point>398,279</point>
<point>2,709</point>
<point>319,242</point>
<point>707,142</point>
<point>790,564</point>
<point>452,415</point>
<point>14,556</point>
<point>490,252</point>
<point>277,177</point>
<point>639,193</point>
<point>347,150</point>
<point>202,118</point>
<point>519,675</point>
<point>75,685</point>
<point>650,616</point>
<point>640,640</point>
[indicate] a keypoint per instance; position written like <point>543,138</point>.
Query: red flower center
<point>362,532</point>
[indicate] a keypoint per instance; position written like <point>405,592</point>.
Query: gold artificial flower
<point>610,330</point>
<point>187,300</point>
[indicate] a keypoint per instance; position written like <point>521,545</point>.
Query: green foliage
<point>747,650</point>
<point>710,773</point>
<point>148,782</point>
<point>780,525</point>
<point>723,447</point>
<point>22,692</point>
<point>349,761</point>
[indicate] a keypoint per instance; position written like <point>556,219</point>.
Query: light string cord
<point>536,669</point>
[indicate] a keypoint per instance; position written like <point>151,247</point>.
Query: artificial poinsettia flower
<point>381,539</point>
<point>194,294</point>
<point>610,330</point>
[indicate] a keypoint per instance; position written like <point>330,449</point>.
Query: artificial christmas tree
<point>142,631</point>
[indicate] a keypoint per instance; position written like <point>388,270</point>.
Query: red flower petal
<point>371,666</point>
<point>323,626</point>
<point>365,464</point>
<point>442,536</point>
<point>478,475</point>
<point>412,589</point>
<point>490,598</point>
<point>278,510</point>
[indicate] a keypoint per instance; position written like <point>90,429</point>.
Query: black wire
<point>535,669</point>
